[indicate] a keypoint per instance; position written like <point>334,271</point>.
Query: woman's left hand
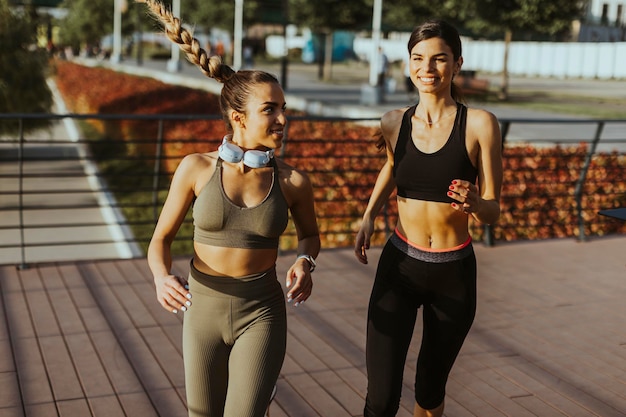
<point>299,282</point>
<point>466,195</point>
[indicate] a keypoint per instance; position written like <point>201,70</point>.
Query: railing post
<point>488,235</point>
<point>488,238</point>
<point>157,172</point>
<point>504,130</point>
<point>20,161</point>
<point>578,193</point>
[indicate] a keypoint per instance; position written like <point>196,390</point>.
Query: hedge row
<point>538,189</point>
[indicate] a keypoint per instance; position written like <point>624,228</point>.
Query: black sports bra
<point>427,176</point>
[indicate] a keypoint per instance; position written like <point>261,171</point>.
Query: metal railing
<point>93,189</point>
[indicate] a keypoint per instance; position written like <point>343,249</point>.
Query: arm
<point>170,289</point>
<point>483,201</point>
<point>380,195</point>
<point>302,210</point>
<point>383,188</point>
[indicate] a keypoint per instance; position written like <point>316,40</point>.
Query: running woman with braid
<point>445,162</point>
<point>235,331</point>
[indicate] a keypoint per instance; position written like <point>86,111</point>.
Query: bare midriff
<point>232,262</point>
<point>431,224</point>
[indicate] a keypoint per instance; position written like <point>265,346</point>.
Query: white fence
<point>604,60</point>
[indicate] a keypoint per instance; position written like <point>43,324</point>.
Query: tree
<point>88,21</point>
<point>221,13</point>
<point>551,17</point>
<point>401,15</point>
<point>23,68</point>
<point>323,16</point>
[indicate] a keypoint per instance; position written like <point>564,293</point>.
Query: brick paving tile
<point>88,338</point>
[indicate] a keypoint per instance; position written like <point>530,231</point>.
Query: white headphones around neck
<point>252,158</point>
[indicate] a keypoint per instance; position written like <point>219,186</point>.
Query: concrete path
<point>48,231</point>
<point>88,338</point>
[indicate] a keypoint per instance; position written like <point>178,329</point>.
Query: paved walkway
<point>58,173</point>
<point>88,338</point>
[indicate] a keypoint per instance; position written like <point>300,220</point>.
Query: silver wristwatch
<point>310,260</point>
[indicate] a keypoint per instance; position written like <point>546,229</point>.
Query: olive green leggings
<point>234,342</point>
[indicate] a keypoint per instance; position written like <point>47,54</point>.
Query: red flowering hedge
<point>538,188</point>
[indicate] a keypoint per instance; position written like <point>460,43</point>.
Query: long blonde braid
<point>211,67</point>
<point>238,86</point>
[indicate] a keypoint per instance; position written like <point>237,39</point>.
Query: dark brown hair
<point>449,34</point>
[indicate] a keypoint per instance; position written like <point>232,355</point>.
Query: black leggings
<point>444,283</point>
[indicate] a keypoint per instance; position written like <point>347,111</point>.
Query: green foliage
<point>403,15</point>
<point>206,15</point>
<point>552,17</point>
<point>88,21</point>
<point>23,69</point>
<point>221,13</point>
<point>326,14</point>
<point>482,18</point>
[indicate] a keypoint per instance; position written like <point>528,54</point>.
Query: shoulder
<point>393,117</point>
<point>292,177</point>
<point>295,184</point>
<point>477,118</point>
<point>197,161</point>
<point>195,168</point>
<point>390,124</point>
<point>483,126</point>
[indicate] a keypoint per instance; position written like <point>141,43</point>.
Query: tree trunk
<point>504,89</point>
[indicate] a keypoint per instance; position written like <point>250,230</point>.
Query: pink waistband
<point>426,249</point>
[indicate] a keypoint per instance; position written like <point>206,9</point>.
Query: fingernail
<point>289,299</point>
<point>296,304</point>
<point>188,295</point>
<point>186,286</point>
<point>183,308</point>
<point>454,182</point>
<point>188,303</point>
<point>174,311</point>
<point>450,193</point>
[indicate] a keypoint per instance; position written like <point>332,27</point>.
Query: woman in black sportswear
<point>445,162</point>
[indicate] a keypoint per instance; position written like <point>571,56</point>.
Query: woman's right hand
<point>172,293</point>
<point>363,237</point>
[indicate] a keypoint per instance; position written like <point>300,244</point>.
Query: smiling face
<point>263,123</point>
<point>432,66</point>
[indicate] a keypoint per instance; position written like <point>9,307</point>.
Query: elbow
<point>311,242</point>
<point>489,213</point>
<point>494,216</point>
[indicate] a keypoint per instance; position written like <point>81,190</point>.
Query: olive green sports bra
<point>220,222</point>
